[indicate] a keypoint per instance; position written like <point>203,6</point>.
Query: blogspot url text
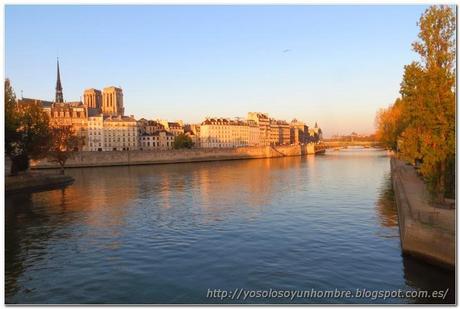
<point>247,294</point>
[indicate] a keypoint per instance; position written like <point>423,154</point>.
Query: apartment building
<point>226,133</point>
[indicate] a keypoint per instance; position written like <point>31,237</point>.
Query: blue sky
<point>333,64</point>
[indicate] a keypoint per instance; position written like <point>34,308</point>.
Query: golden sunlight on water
<point>167,233</point>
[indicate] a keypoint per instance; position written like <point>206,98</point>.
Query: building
<point>298,132</point>
<point>92,98</point>
<point>112,101</point>
<point>152,127</point>
<point>73,114</point>
<point>160,140</point>
<point>45,105</point>
<point>193,130</point>
<point>120,133</point>
<point>279,132</point>
<point>175,128</point>
<point>61,113</point>
<point>112,133</point>
<point>285,132</point>
<point>225,133</point>
<point>59,98</point>
<point>315,134</point>
<point>96,134</point>
<point>263,122</point>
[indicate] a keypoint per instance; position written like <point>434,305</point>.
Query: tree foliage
<point>11,120</point>
<point>183,141</point>
<point>27,133</point>
<point>422,123</point>
<point>389,125</point>
<point>64,142</point>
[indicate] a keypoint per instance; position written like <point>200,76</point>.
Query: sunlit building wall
<point>120,133</point>
<point>112,101</point>
<point>263,121</point>
<point>161,140</point>
<point>225,133</point>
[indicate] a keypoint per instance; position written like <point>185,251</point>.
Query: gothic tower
<point>59,96</point>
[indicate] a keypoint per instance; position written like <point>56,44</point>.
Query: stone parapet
<point>139,157</point>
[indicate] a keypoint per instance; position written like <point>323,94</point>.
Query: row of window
<point>112,133</point>
<point>156,137</point>
<point>156,144</point>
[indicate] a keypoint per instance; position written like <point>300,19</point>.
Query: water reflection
<point>23,248</point>
<point>386,206</point>
<point>417,274</point>
<point>167,233</point>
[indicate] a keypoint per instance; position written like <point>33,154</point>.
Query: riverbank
<point>139,157</point>
<point>34,182</point>
<point>426,231</point>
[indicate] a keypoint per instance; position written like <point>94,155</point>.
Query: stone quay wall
<point>426,231</point>
<point>139,157</point>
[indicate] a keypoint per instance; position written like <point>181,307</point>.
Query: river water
<point>174,233</point>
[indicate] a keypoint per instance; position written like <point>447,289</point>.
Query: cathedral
<point>108,103</point>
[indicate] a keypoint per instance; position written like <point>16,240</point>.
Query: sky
<point>335,65</point>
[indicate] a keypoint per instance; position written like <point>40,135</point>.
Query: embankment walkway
<point>426,231</point>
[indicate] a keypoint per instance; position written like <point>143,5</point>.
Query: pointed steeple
<point>316,124</point>
<point>59,95</point>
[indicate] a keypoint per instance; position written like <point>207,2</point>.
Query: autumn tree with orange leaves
<point>64,143</point>
<point>421,124</point>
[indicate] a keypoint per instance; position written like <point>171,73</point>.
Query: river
<point>172,233</point>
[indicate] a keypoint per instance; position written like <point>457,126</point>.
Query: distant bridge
<point>344,144</point>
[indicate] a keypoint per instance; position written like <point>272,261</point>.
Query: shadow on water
<point>19,212</point>
<point>418,274</point>
<point>24,247</point>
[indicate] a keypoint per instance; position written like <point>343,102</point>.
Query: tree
<point>11,121</point>
<point>64,142</point>
<point>422,124</point>
<point>27,131</point>
<point>182,141</point>
<point>428,91</point>
<point>390,125</point>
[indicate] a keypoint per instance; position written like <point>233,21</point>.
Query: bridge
<point>325,144</point>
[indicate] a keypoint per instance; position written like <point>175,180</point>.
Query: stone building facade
<point>225,133</point>
<point>96,133</point>
<point>176,127</point>
<point>149,126</point>
<point>120,133</point>
<point>112,133</point>
<point>112,101</point>
<point>263,122</point>
<point>280,133</point>
<point>299,132</point>
<point>160,140</point>
<point>193,131</point>
<point>92,98</point>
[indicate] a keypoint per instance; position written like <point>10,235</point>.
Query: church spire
<point>59,96</point>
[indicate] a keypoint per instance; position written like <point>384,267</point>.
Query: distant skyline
<point>333,64</point>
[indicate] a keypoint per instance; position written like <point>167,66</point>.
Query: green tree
<point>27,133</point>
<point>182,141</point>
<point>64,143</point>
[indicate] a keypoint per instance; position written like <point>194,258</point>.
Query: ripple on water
<point>165,234</point>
